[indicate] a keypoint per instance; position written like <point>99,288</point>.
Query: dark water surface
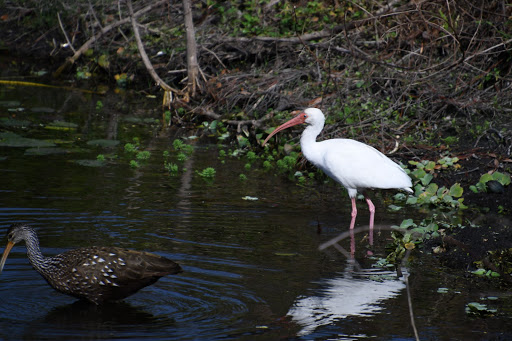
<point>252,269</point>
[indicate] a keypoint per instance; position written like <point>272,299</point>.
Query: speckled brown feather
<point>97,274</point>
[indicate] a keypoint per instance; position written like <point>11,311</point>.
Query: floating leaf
<point>10,122</point>
<point>91,163</point>
<point>47,151</point>
<point>476,308</point>
<point>103,143</point>
<point>286,254</point>
<point>9,139</point>
<point>45,110</point>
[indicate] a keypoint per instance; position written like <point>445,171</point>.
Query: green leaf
<point>103,143</point>
<point>503,179</point>
<point>406,223</point>
<point>426,179</point>
<point>432,189</point>
<point>479,272</point>
<point>411,200</point>
<point>456,190</point>
<point>419,173</point>
<point>485,177</point>
<point>430,166</point>
<point>103,61</point>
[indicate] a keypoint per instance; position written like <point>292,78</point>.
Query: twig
<point>409,301</point>
<point>71,60</point>
<point>144,55</point>
<point>215,55</point>
<point>65,34</point>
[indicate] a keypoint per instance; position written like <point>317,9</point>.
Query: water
<point>252,269</point>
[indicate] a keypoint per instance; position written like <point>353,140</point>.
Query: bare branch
<point>144,55</point>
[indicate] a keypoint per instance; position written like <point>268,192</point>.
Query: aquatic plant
<point>143,155</point>
<point>130,148</point>
<point>172,168</point>
<point>208,172</point>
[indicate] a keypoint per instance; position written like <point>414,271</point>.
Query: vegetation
<point>425,82</point>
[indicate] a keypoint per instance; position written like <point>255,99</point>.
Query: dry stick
<point>409,301</point>
<point>71,60</point>
<point>65,34</point>
<point>144,55</point>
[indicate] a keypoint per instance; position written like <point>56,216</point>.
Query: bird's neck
<point>34,254</point>
<point>308,139</point>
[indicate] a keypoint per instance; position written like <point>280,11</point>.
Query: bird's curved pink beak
<point>4,256</point>
<point>299,119</point>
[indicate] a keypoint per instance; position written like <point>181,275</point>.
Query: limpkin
<point>96,274</point>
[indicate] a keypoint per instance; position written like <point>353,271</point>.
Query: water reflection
<point>246,263</point>
<point>352,293</point>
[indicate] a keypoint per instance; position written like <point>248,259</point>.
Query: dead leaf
<point>315,101</point>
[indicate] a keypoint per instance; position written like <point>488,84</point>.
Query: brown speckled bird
<point>96,274</point>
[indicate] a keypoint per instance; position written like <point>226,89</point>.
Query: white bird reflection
<point>352,294</point>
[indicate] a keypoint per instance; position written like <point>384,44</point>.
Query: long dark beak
<point>4,256</point>
<point>299,119</point>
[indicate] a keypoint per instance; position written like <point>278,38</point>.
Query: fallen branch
<point>145,57</point>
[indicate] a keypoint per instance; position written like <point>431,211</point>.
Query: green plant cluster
<point>249,18</point>
<point>427,192</point>
<point>486,180</point>
<point>409,235</point>
<point>182,152</point>
<point>208,172</point>
<point>141,156</point>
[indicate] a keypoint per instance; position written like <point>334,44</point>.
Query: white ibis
<point>353,164</point>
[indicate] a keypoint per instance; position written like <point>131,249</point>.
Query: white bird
<point>353,164</point>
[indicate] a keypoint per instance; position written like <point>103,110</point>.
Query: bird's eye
<point>305,116</point>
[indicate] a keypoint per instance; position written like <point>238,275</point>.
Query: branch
<point>144,55</point>
<point>71,60</point>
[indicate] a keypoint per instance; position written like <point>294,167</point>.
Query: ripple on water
<point>202,302</point>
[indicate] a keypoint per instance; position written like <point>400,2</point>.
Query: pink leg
<point>371,207</point>
<point>352,244</point>
<point>354,213</point>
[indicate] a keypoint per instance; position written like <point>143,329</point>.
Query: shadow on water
<point>252,268</point>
